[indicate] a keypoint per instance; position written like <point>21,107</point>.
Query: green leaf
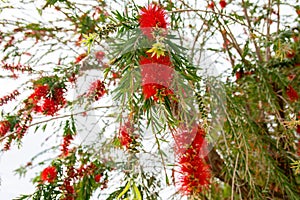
<point>125,190</point>
<point>137,192</point>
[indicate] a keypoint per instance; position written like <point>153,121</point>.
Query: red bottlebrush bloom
<point>99,56</point>
<point>211,5</point>
<point>290,54</point>
<point>152,17</point>
<point>156,74</point>
<point>49,174</point>
<point>97,178</point>
<point>124,135</point>
<point>194,173</point>
<point>42,102</point>
<point>4,127</point>
<point>150,90</point>
<point>194,138</point>
<point>49,107</point>
<point>80,57</point>
<point>9,97</point>
<point>222,3</point>
<point>96,90</point>
<point>66,144</point>
<point>292,94</point>
<point>298,129</point>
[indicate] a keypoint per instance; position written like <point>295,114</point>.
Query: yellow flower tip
<point>157,49</point>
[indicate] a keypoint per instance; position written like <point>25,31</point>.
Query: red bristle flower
<point>292,94</point>
<point>298,129</point>
<point>194,173</point>
<point>125,133</point>
<point>191,148</point>
<point>80,57</point>
<point>193,137</point>
<point>49,174</point>
<point>157,75</point>
<point>99,56</point>
<point>4,127</point>
<point>211,5</point>
<point>66,143</point>
<point>49,107</point>
<point>97,178</point>
<point>152,17</point>
<point>42,102</point>
<point>222,3</point>
<point>96,90</point>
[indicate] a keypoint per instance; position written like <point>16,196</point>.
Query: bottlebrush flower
<point>96,90</point>
<point>99,56</point>
<point>292,94</point>
<point>97,178</point>
<point>193,137</point>
<point>9,97</point>
<point>222,3</point>
<point>194,173</point>
<point>211,5</point>
<point>80,57</point>
<point>49,174</point>
<point>152,17</point>
<point>156,75</point>
<point>124,135</point>
<point>191,149</point>
<point>4,127</point>
<point>42,101</point>
<point>66,143</point>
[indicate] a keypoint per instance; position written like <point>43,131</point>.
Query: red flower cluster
<point>292,94</point>
<point>68,189</point>
<point>222,3</point>
<point>9,97</point>
<point>42,101</point>
<point>99,56</point>
<point>97,178</point>
<point>49,174</point>
<point>17,67</point>
<point>80,57</point>
<point>125,135</point>
<point>194,171</point>
<point>4,127</point>
<point>157,75</point>
<point>211,5</point>
<point>96,90</point>
<point>150,18</point>
<point>65,146</point>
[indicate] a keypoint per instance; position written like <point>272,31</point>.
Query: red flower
<point>65,146</point>
<point>222,3</point>
<point>49,174</point>
<point>194,171</point>
<point>211,5</point>
<point>157,75</point>
<point>298,129</point>
<point>194,138</point>
<point>80,57</point>
<point>152,17</point>
<point>99,56</point>
<point>96,90</point>
<point>97,178</point>
<point>124,136</point>
<point>292,94</point>
<point>41,101</point>
<point>4,127</point>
